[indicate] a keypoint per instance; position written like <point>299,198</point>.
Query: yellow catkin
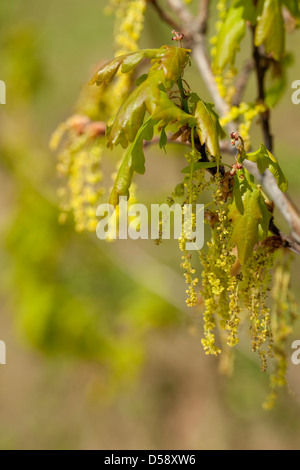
<point>256,282</point>
<point>247,113</point>
<point>192,187</point>
<point>79,165</point>
<point>283,315</point>
<point>129,25</point>
<point>219,287</point>
<point>80,156</point>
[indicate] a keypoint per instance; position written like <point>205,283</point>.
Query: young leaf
<point>276,80</point>
<point>167,112</point>
<point>249,10</point>
<point>264,159</point>
<point>148,96</point>
<point>232,33</point>
<point>107,72</point>
<point>246,223</point>
<point>134,161</point>
<point>270,29</point>
<point>123,128</point>
<point>163,139</point>
<point>173,62</point>
<point>276,90</point>
<point>208,127</point>
<point>141,79</point>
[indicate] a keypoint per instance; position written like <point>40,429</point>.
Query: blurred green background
<point>101,351</point>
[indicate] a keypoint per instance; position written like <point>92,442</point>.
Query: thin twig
<point>283,202</point>
<point>164,15</point>
<point>196,41</point>
<point>203,16</point>
<point>242,82</point>
<point>290,244</point>
<point>261,67</point>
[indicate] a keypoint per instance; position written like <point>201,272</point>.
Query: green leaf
<point>275,92</point>
<point>173,62</point>
<point>107,72</point>
<point>131,61</point>
<point>239,189</point>
<point>270,29</point>
<point>134,161</point>
<point>148,96</point>
<point>276,80</point>
<point>199,166</point>
<point>167,112</point>
<point>249,10</point>
<point>265,160</point>
<point>124,127</point>
<point>208,127</point>
<point>141,79</point>
<point>231,34</point>
<point>163,139</point>
<point>246,224</point>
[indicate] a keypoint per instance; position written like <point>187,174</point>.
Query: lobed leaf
<point>232,33</point>
<point>107,72</point>
<point>246,222</point>
<point>276,81</point>
<point>163,139</point>
<point>149,96</point>
<point>270,29</point>
<point>134,161</point>
<point>124,127</point>
<point>173,62</point>
<point>265,160</point>
<point>208,127</point>
<point>167,112</point>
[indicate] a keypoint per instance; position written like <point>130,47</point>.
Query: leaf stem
<point>192,165</point>
<point>183,96</point>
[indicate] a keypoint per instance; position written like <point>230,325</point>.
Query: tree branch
<point>283,202</point>
<point>196,41</point>
<point>164,15</point>
<point>261,67</point>
<point>202,20</point>
<point>242,82</point>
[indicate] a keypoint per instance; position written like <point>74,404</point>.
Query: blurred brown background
<point>101,351</point>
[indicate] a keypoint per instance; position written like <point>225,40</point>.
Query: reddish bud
<point>237,166</point>
<point>234,136</point>
<point>177,36</point>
